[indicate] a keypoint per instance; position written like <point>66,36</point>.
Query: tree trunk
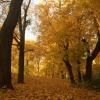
<point>88,75</point>
<point>69,68</point>
<point>90,58</point>
<point>21,59</point>
<point>79,72</point>
<point>7,61</point>
<point>6,37</point>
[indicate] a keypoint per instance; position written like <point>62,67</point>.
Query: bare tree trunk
<point>22,28</point>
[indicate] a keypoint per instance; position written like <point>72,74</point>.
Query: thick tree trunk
<point>88,75</point>
<point>90,58</point>
<point>6,37</point>
<point>7,62</point>
<point>69,68</point>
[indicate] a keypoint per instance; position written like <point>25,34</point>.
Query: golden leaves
<point>38,88</point>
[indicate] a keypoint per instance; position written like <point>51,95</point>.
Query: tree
<point>56,44</point>
<point>22,28</point>
<point>6,37</point>
<point>68,64</point>
<point>91,8</point>
<point>92,55</point>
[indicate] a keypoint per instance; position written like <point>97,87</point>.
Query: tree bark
<point>6,37</point>
<point>22,29</point>
<point>79,74</point>
<point>88,74</point>
<point>69,68</point>
<point>21,58</point>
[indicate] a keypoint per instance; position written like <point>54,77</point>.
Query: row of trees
<point>67,32</point>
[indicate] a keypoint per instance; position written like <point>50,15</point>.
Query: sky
<point>29,34</point>
<point>36,1</point>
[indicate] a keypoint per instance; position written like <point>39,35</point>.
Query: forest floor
<point>48,89</point>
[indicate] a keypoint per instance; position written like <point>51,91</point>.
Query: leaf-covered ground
<point>48,89</point>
